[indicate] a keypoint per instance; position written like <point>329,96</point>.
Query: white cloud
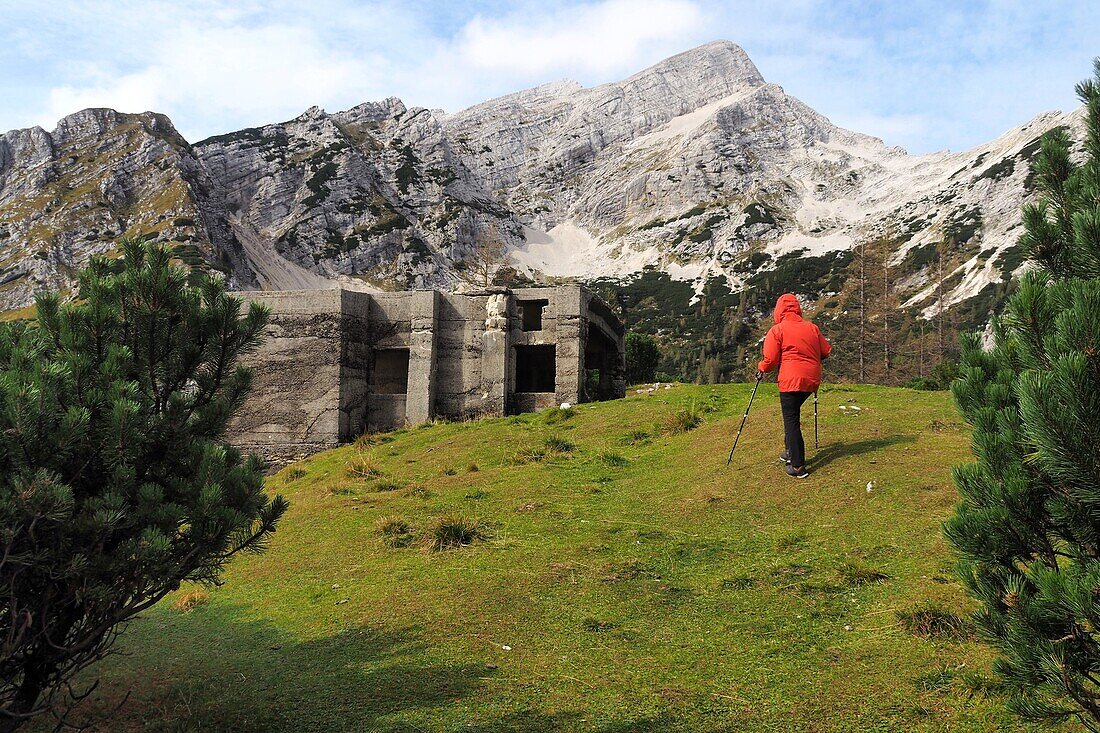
<point>600,38</point>
<point>925,74</point>
<point>219,67</point>
<point>890,128</point>
<point>200,74</point>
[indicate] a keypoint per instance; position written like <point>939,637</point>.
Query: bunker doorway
<point>602,366</point>
<point>388,394</point>
<point>536,369</point>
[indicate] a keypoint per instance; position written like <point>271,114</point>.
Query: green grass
<point>630,582</point>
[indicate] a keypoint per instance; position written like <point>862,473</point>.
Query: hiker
<point>797,348</point>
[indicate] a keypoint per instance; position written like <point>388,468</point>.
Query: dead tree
<point>939,297</point>
<point>922,322</point>
<point>487,258</point>
<point>862,308</point>
<point>886,305</point>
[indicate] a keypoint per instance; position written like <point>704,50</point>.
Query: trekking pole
<point>815,420</point>
<point>759,376</point>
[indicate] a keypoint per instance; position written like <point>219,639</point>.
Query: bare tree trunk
<point>939,301</point>
<point>22,707</point>
<point>862,309</point>
<point>922,348</point>
<point>886,305</point>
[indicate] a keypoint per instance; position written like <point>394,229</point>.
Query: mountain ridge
<point>695,165</point>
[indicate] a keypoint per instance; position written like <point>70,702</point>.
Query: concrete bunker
<point>338,363</point>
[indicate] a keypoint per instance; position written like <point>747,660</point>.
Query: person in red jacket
<point>797,348</point>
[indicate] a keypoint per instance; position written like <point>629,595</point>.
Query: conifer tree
<point>1027,527</point>
<point>115,485</point>
<point>642,358</point>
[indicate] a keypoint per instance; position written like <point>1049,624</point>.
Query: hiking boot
<point>785,457</point>
<point>799,472</point>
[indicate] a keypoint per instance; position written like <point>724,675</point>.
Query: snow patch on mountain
<point>564,250</point>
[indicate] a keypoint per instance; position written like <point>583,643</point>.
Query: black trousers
<point>791,404</point>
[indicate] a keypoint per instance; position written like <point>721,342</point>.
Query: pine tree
<point>1027,527</point>
<point>115,485</point>
<point>643,356</point>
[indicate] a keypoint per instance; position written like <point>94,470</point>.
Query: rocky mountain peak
<point>695,166</point>
<point>723,63</point>
<point>86,123</point>
<point>372,112</point>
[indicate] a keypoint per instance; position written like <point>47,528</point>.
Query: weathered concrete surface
<point>326,372</point>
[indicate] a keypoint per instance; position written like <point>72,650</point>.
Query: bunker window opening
<point>531,312</point>
<point>391,371</point>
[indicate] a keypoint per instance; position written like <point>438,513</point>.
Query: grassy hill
<point>628,581</point>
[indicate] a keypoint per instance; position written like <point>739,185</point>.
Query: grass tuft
<point>791,541</point>
<point>935,681</point>
<point>449,532</point>
<point>367,440</point>
<point>739,582</point>
<point>363,467</point>
<point>596,625</point>
<point>629,570</point>
<point>854,574</point>
<point>932,621</point>
<point>188,601</point>
<point>387,486</point>
<point>395,531</point>
<point>612,458</point>
<point>557,415</point>
<point>684,420</point>
<point>551,448</point>
<point>295,473</point>
<point>343,491</point>
<point>556,444</point>
<point>472,467</point>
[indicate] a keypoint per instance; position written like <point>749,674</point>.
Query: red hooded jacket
<point>796,346</point>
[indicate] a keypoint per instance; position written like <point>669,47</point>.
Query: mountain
<point>696,163</point>
<point>377,191</point>
<point>696,167</point>
<point>69,194</point>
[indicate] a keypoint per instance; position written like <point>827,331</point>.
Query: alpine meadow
<point>644,399</point>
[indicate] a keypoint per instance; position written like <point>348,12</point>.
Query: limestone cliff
<point>69,194</point>
<point>696,166</point>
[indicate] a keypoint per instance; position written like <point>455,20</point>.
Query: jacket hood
<point>786,306</point>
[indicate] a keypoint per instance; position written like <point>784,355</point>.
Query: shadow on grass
<point>833,451</point>
<point>534,721</point>
<point>208,672</point>
<point>211,671</point>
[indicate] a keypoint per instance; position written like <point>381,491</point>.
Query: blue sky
<point>923,74</point>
